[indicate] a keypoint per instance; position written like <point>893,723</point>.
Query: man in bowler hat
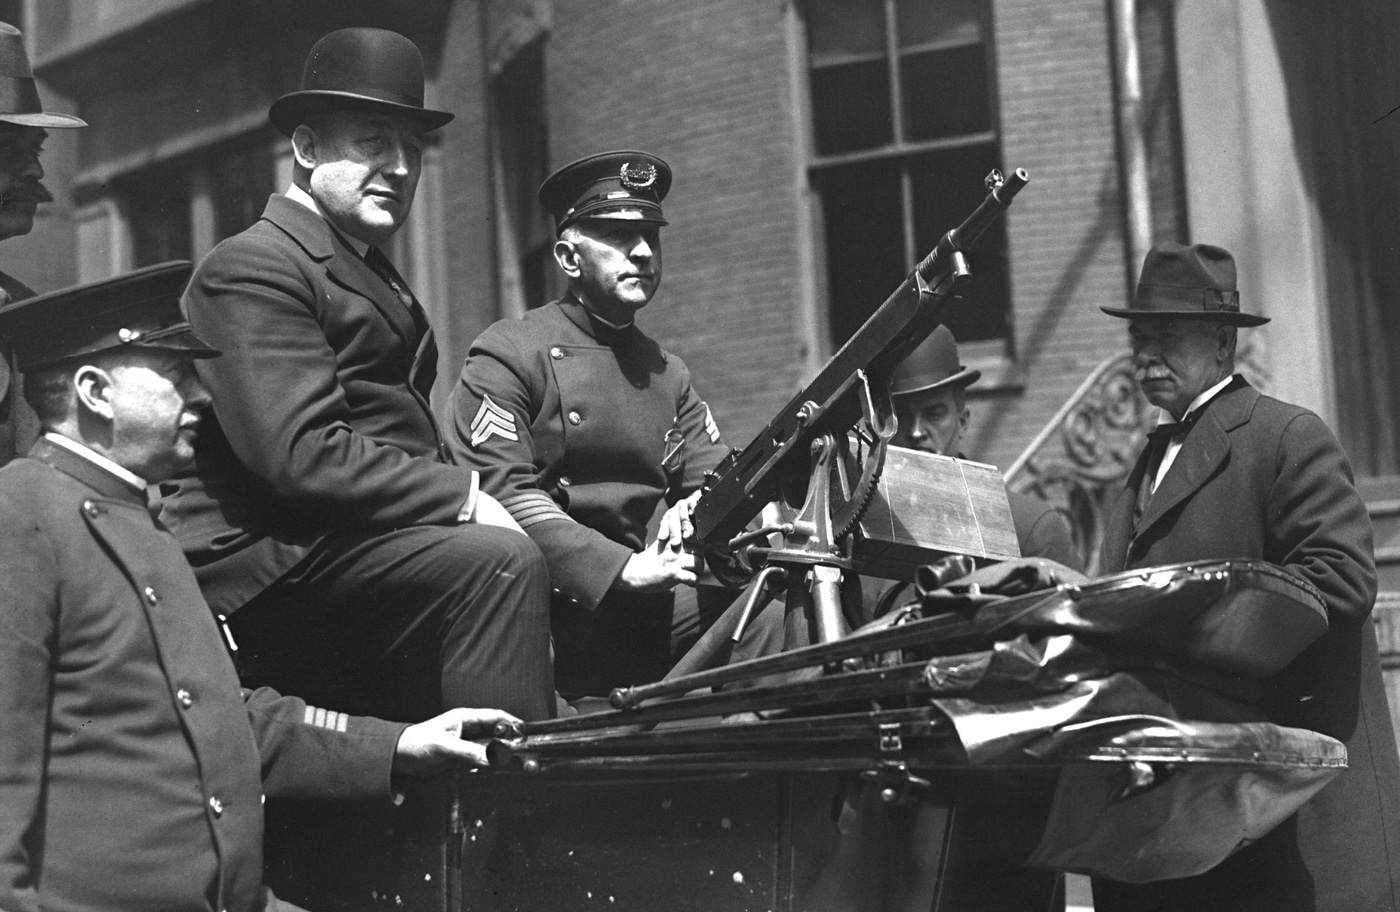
<point>323,512</point>
<point>1233,473</point>
<point>132,769</point>
<point>929,388</point>
<point>24,125</point>
<point>582,425</point>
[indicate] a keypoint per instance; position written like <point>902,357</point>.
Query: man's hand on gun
<point>430,746</point>
<point>664,564</point>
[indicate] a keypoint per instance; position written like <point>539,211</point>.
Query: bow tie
<point>1165,433</point>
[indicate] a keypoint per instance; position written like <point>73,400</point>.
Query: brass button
<point>565,481</point>
<point>151,596</point>
<point>216,806</point>
<point>556,353</point>
<point>575,418</point>
<point>185,697</point>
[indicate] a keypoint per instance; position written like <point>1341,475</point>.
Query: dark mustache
<point>29,193</point>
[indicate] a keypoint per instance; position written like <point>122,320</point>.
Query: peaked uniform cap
<point>933,365</point>
<point>19,94</point>
<point>1180,282</point>
<point>359,69</point>
<point>626,185</point>
<point>137,310</point>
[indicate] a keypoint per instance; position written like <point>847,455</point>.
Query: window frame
<point>994,357</point>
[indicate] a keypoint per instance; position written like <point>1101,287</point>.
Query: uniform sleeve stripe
<point>534,507</point>
<point>327,718</point>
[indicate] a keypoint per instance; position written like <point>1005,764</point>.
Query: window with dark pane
<point>242,180</point>
<point>520,123</point>
<point>904,129</point>
<point>157,207</point>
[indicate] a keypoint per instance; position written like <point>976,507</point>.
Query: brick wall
<point>704,85</point>
<point>1066,229</point>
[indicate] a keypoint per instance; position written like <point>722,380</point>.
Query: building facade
<point>820,148</point>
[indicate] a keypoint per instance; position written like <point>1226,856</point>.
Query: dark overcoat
<point>130,775</point>
<point>1043,530</point>
<point>1259,478</point>
<point>321,417</point>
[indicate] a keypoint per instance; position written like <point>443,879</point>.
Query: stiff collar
<point>96,471</point>
<point>298,195</point>
<point>594,325</point>
<point>1199,402</point>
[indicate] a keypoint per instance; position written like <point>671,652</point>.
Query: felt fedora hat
<point>19,94</point>
<point>359,69</point>
<point>933,365</point>
<point>1187,282</point>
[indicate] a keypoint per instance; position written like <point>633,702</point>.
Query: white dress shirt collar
<point>97,459</point>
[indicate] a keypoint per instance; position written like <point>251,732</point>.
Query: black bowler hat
<point>933,365</point>
<point>138,310</point>
<point>19,94</point>
<point>624,185</point>
<point>1181,282</point>
<point>365,69</point>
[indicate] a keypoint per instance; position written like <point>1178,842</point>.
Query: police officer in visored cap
<point>581,425</point>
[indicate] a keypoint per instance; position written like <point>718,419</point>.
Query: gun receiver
<point>832,403</point>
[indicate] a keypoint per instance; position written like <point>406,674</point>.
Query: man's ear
<point>566,255</point>
<point>94,388</point>
<point>304,146</point>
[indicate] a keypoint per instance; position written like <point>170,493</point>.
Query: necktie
<point>1162,436</point>
<point>424,370</point>
<point>376,260</point>
<point>1164,433</point>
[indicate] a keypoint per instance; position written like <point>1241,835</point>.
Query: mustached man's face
<point>1174,361</point>
<point>21,190</point>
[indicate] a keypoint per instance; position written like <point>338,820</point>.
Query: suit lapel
<point>343,265</point>
<point>1203,452</point>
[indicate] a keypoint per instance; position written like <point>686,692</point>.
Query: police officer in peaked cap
<point>581,425</point>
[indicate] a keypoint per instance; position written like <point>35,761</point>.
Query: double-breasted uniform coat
<point>130,775</point>
<point>1259,478</point>
<point>581,430</point>
<point>323,489</point>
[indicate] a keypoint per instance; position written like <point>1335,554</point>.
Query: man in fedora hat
<point>323,512</point>
<point>24,124</point>
<point>929,388</point>
<point>1234,473</point>
<point>582,425</point>
<point>132,768</point>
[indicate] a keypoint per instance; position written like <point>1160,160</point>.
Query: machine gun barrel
<point>744,483</point>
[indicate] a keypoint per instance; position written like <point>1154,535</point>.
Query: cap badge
<point>638,177</point>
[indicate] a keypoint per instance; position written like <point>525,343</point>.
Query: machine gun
<point>827,447</point>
